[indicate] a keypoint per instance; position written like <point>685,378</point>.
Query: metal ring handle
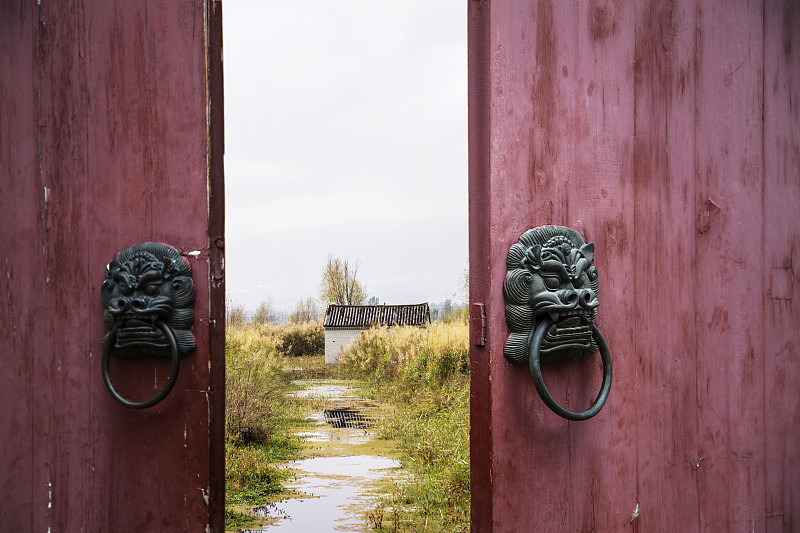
<point>173,374</point>
<point>538,381</point>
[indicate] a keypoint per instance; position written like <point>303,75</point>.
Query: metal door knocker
<point>148,297</point>
<point>551,292</point>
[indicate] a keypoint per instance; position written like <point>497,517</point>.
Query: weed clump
<point>254,386</point>
<point>424,373</point>
<point>258,415</point>
<point>409,355</point>
<point>302,339</point>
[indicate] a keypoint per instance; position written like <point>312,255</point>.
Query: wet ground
<point>345,471</point>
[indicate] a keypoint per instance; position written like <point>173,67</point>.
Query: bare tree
<point>305,311</point>
<point>234,312</point>
<point>446,310</point>
<point>265,312</point>
<point>340,284</point>
<point>464,281</point>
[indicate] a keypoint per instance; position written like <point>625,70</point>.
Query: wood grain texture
<point>781,263</point>
<point>728,201</point>
<point>105,138</point>
<point>481,426</point>
<point>664,251</point>
<point>22,293</point>
<point>216,259</point>
<point>665,132</point>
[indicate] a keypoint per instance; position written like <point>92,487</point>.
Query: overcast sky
<point>345,133</point>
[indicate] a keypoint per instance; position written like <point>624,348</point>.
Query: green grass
<point>251,474</point>
<point>259,415</point>
<point>433,428</point>
<point>238,520</point>
<point>424,375</point>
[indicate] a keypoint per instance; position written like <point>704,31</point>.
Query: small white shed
<point>344,323</point>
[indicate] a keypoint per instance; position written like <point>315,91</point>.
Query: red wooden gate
<point>110,134</point>
<point>668,133</point>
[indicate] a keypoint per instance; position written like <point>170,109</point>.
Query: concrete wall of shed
<point>336,341</point>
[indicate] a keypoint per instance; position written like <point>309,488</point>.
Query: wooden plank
<point>595,172</point>
<point>558,100</point>
<point>480,412</point>
<point>728,280</point>
<point>781,260</point>
<point>63,412</point>
<point>22,294</point>
<point>216,244</point>
<point>664,276</point>
<point>155,154</point>
<point>530,455</point>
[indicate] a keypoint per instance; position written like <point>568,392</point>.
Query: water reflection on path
<point>340,486</point>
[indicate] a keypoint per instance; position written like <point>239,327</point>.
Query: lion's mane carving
<point>146,283</point>
<point>550,273</point>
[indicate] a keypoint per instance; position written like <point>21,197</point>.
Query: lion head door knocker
<point>551,292</point>
<point>148,297</point>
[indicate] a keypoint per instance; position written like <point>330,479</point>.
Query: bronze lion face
<point>550,275</point>
<point>148,283</point>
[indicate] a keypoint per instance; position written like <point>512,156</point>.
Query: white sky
<point>345,133</point>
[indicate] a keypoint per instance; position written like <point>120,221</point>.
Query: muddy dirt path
<point>345,469</point>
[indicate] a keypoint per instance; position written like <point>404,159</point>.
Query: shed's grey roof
<point>366,316</point>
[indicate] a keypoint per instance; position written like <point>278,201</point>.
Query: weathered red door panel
<point>110,134</point>
<point>664,132</point>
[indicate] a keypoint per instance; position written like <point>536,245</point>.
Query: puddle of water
<point>349,437</point>
<point>340,489</point>
<point>325,391</point>
<point>341,479</point>
<point>369,467</point>
<point>343,420</point>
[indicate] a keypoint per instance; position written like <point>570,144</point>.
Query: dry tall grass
<point>256,378</point>
<point>425,373</point>
<point>431,355</point>
<point>254,384</point>
<point>259,412</point>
